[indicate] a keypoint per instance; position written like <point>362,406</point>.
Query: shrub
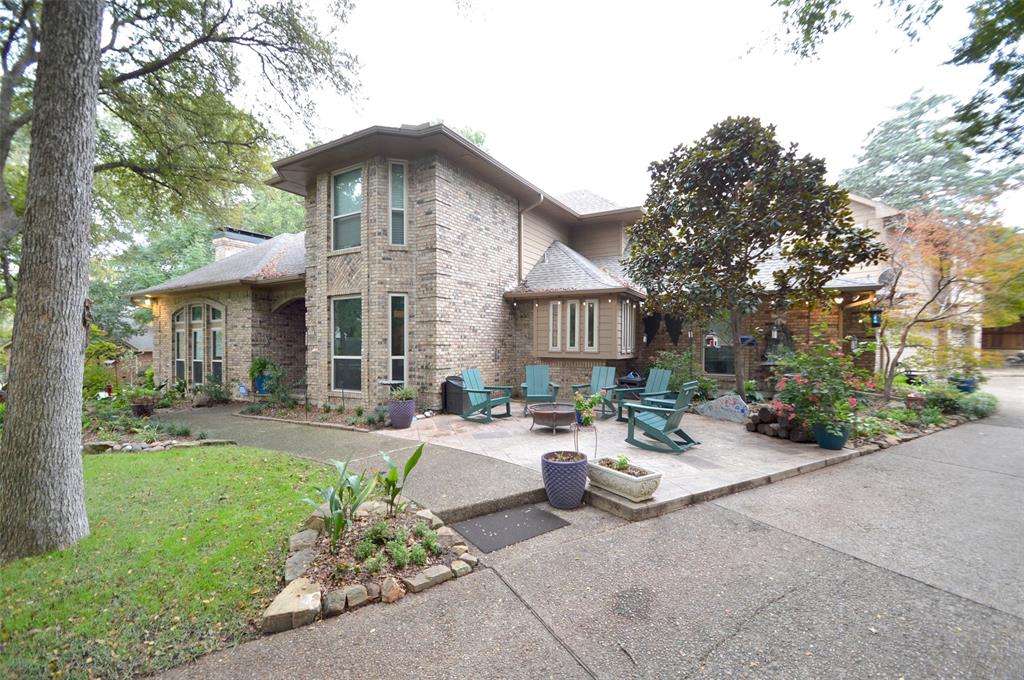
<point>373,564</point>
<point>978,404</point>
<point>681,365</point>
<point>431,543</point>
<point>255,408</point>
<point>418,555</point>
<point>380,532</point>
<point>175,429</point>
<point>707,388</point>
<point>420,529</point>
<point>931,415</point>
<point>898,415</point>
<point>364,549</point>
<point>326,408</point>
<point>944,397</point>
<point>215,390</point>
<point>359,411</point>
<point>870,426</point>
<point>390,481</point>
<point>404,393</point>
<point>398,553</point>
<point>342,500</point>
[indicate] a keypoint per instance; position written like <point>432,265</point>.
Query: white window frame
<point>362,204</point>
<point>200,332</point>
<point>405,338</point>
<point>405,204</point>
<point>587,347</point>
<point>572,337</point>
<point>627,320</point>
<point>179,342</point>
<point>555,326</point>
<point>334,356</point>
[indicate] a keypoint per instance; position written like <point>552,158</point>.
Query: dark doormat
<point>502,529</point>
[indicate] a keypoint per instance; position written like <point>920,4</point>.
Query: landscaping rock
<point>356,596</point>
<point>373,591</point>
<point>97,447</point>
<point>763,428</point>
<point>297,605</point>
<point>429,517</point>
<point>471,560</point>
<point>334,603</point>
<point>459,549</point>
<point>765,415</point>
<point>295,565</point>
<point>302,540</point>
<point>460,568</point>
<point>891,440</point>
<point>752,426</point>
<point>376,507</point>
<point>201,401</point>
<point>416,583</point>
<point>437,574</point>
<point>447,536</point>
<point>799,434</point>
<point>390,590</point>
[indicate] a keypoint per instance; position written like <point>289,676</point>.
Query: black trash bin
<point>453,395</point>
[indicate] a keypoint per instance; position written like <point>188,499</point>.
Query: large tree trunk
<point>42,500</point>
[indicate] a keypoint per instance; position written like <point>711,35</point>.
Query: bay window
<point>347,347</point>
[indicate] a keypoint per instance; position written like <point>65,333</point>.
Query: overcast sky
<point>575,94</point>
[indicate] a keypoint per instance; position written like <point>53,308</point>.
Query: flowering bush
<point>585,406</point>
<point>817,386</point>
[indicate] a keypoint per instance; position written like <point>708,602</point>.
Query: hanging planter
<point>651,325</point>
<point>674,326</point>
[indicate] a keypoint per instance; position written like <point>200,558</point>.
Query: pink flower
<point>853,401</point>
<point>781,384</point>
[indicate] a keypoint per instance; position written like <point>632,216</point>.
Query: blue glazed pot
<point>564,482</point>
<point>829,440</point>
<point>402,413</point>
<point>967,385</point>
<point>579,418</point>
<point>260,384</point>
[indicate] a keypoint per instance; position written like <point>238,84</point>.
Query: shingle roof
<point>777,262</point>
<point>562,269</point>
<point>283,256</point>
<point>586,201</point>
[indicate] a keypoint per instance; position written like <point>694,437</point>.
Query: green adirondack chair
<point>669,400</point>
<point>661,424</point>
<point>483,398</point>
<point>601,378</point>
<point>656,386</point>
<point>538,386</point>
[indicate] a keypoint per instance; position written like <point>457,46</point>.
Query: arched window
<point>197,343</point>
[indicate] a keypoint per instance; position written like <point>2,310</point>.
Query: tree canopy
<point>737,219</point>
<point>991,120</point>
<point>912,162</point>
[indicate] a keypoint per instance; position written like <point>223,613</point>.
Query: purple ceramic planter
<point>564,482</point>
<point>401,413</point>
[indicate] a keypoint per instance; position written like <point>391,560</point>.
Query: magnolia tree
<point>943,276</point>
<point>727,209</point>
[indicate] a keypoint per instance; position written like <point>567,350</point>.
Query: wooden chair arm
<point>647,409</point>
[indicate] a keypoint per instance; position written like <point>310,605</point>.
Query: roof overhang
<point>298,172</point>
<point>593,292</point>
<point>147,294</point>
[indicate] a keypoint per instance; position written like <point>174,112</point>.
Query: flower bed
<point>355,418</point>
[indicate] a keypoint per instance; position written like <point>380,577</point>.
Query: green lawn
<point>185,552</point>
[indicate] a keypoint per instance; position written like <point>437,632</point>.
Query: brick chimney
<point>228,241</point>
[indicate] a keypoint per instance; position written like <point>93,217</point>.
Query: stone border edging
<point>335,426</point>
<point>634,512</point>
<point>92,448</point>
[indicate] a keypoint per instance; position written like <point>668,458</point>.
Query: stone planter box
<point>635,489</point>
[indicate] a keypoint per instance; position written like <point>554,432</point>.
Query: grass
<point>185,552</point>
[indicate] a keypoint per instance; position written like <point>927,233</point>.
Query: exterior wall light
<point>876,318</point>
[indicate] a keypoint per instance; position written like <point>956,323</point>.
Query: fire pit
<point>554,415</point>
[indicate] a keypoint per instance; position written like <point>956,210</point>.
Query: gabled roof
<point>586,201</point>
<point>845,282</point>
<point>563,270</point>
<point>280,258</point>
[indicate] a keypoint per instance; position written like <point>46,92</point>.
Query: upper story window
<point>397,198</point>
<point>347,229</point>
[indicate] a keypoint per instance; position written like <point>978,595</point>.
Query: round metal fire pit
<point>554,415</point>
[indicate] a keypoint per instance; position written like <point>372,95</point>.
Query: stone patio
<point>728,459</point>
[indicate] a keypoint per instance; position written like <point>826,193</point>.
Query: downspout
<point>522,213</point>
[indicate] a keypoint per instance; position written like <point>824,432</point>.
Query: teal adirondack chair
<point>601,378</point>
<point>538,386</point>
<point>483,398</point>
<point>661,424</point>
<point>669,400</point>
<point>656,386</point>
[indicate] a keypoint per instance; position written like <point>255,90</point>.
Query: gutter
<point>522,213</point>
<point>561,293</point>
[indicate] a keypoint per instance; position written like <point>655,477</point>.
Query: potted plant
<point>565,472</point>
<point>143,400</point>
<point>259,373</point>
<point>402,407</point>
<point>621,477</point>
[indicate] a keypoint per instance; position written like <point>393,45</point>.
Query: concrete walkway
<point>907,563</point>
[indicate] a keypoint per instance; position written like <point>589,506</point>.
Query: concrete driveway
<point>904,564</point>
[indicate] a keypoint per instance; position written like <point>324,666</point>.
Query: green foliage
<point>404,393</point>
<point>870,426</point>
<point>898,415</point>
<point>184,551</point>
<point>364,548</point>
<point>359,411</point>
<point>621,463</point>
<point>430,542</point>
<point>707,388</point>
<point>398,553</point>
<point>931,415</point>
<point>373,564</point>
<point>390,482</point>
<point>343,499</point>
<point>255,408</point>
<point>257,367</point>
<point>943,397</point>
<point>380,532</point>
<point>420,529</point>
<point>95,380</point>
<point>680,363</point>
<point>3,413</point>
<point>215,390</point>
<point>750,390</point>
<point>418,555</point>
<point>978,404</point>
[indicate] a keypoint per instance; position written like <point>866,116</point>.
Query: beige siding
<point>599,240</point>
<point>608,327</point>
<point>538,233</point>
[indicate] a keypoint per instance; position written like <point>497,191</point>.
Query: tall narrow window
<point>198,344</point>
<point>555,326</point>
<point>590,328</point>
<point>348,344</point>
<point>397,194</point>
<point>627,326</point>
<point>217,355</point>
<point>180,346</point>
<point>572,313</point>
<point>398,336</point>
<point>348,208</point>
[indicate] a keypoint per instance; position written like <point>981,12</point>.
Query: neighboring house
<point>422,255</point>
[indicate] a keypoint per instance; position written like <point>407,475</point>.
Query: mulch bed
<point>341,568</point>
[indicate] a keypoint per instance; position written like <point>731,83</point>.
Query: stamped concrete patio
<point>727,460</point>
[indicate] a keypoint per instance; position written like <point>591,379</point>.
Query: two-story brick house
<point>421,255</point>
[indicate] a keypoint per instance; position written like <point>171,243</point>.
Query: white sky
<point>575,94</point>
